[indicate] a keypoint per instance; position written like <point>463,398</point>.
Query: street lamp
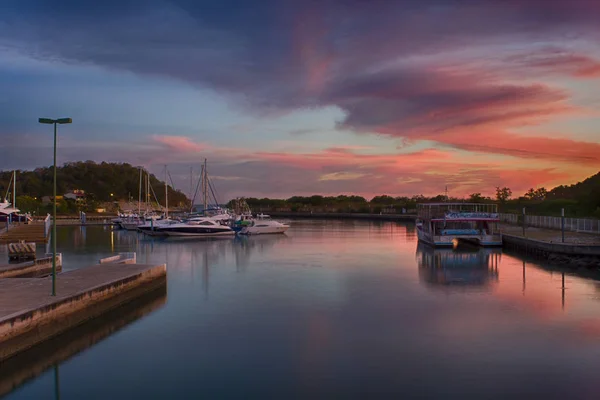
<point>54,122</point>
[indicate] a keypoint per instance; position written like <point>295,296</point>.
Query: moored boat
<point>197,227</point>
<point>447,224</point>
<point>263,225</point>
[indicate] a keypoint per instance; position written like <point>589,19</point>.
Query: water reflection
<point>28,365</point>
<point>457,268</point>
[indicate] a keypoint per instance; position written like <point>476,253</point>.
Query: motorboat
<point>197,227</point>
<point>263,225</point>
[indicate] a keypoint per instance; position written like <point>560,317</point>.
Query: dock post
<point>523,221</point>
<point>562,224</point>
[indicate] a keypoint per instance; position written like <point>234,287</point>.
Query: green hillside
<point>98,180</point>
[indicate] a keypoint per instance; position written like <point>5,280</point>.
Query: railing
<point>542,221</point>
<point>47,225</point>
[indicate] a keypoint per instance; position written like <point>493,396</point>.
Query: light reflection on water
<point>335,307</point>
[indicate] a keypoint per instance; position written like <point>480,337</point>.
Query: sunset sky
<point>303,97</point>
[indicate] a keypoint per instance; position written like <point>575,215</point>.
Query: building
<point>77,195</point>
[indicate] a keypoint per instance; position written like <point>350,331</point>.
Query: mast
<point>166,195</point>
<point>147,190</point>
<point>205,186</point>
<point>191,185</point>
<point>14,204</point>
<point>140,195</point>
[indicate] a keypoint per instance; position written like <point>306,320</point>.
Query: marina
<point>275,303</point>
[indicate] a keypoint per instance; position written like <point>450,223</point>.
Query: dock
<point>32,232</point>
<point>31,363</point>
<point>29,315</point>
<point>28,269</point>
<point>578,249</point>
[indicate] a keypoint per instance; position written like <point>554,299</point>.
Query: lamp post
<point>54,122</point>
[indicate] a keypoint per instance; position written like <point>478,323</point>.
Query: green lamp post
<point>54,122</point>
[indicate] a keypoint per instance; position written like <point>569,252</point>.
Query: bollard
<point>562,224</point>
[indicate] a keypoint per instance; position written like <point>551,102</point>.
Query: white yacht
<point>197,227</point>
<point>264,225</point>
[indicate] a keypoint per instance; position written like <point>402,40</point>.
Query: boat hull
<point>451,240</point>
<point>195,234</point>
<point>271,230</point>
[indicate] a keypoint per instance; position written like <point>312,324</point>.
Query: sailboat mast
<point>166,195</point>
<point>140,195</point>
<point>205,193</point>
<point>147,190</point>
<point>14,204</point>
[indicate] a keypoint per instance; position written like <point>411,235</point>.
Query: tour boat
<point>197,227</point>
<point>263,225</point>
<point>447,224</point>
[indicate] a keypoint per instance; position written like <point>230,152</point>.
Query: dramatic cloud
<point>450,80</point>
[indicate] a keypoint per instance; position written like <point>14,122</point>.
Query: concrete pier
<point>39,267</point>
<point>31,363</point>
<point>29,315</point>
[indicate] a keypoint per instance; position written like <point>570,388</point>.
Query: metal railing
<point>543,221</point>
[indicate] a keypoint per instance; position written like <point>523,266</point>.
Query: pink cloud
<point>180,144</point>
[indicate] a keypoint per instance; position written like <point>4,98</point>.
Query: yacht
<point>197,227</point>
<point>152,228</point>
<point>263,225</point>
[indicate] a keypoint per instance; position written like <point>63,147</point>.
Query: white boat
<point>197,227</point>
<point>447,224</point>
<point>152,228</point>
<point>264,225</point>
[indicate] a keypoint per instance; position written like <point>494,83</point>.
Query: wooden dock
<point>32,232</point>
<point>29,315</point>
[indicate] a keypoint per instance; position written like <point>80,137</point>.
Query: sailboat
<point>9,209</point>
<point>207,225</point>
<point>153,225</point>
<point>132,221</point>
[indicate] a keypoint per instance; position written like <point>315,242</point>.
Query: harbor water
<point>332,309</point>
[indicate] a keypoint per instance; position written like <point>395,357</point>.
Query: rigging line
<point>8,189</point>
<point>157,202</point>
<point>171,178</point>
<point>210,186</point>
<point>195,193</point>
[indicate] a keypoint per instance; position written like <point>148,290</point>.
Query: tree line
<point>102,183</point>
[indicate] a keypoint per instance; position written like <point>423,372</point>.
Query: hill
<point>98,180</point>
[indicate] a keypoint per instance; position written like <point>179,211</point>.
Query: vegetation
<point>578,200</point>
<point>103,184</point>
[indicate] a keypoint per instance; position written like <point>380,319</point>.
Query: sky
<point>286,97</point>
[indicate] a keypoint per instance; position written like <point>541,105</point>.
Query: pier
<point>29,315</point>
<point>39,267</point>
<point>578,249</point>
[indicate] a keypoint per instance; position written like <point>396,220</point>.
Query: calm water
<point>333,309</point>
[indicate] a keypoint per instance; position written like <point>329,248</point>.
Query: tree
<point>539,194</point>
<point>476,198</point>
<point>503,194</point>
